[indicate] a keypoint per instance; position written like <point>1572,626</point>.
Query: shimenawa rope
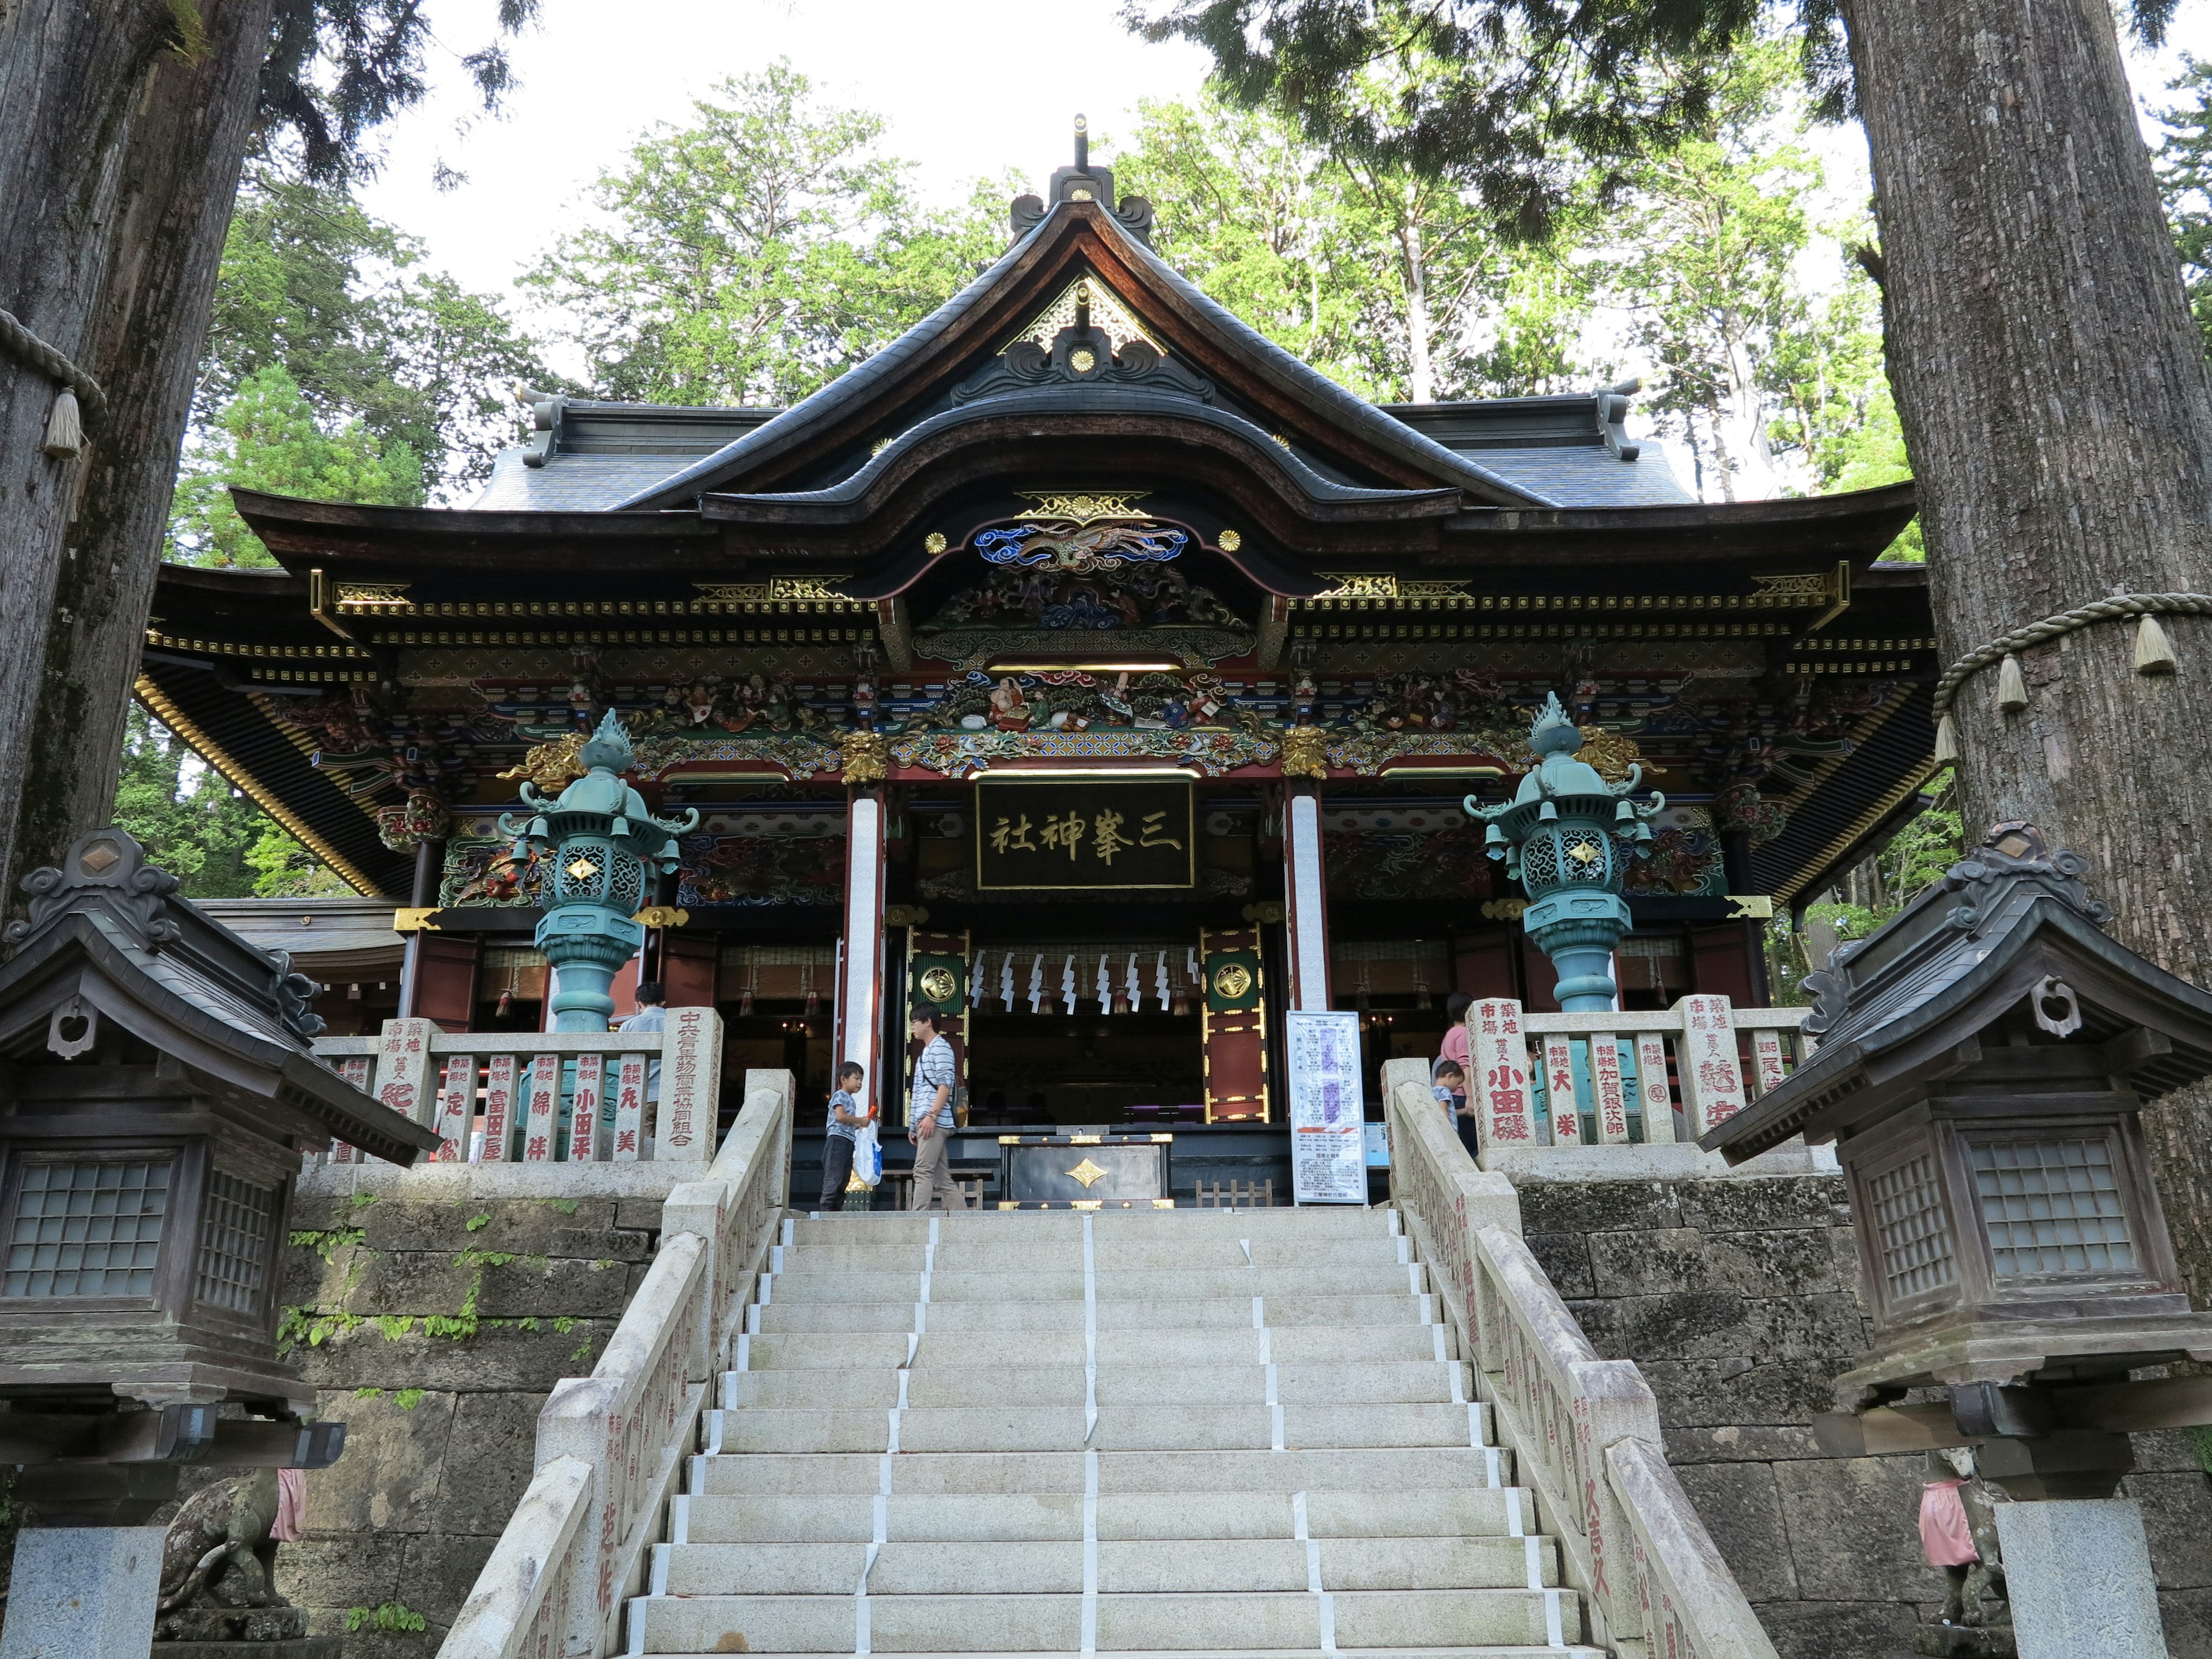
<point>2154,651</point>
<point>64,427</point>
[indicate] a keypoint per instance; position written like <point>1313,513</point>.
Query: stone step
<point>1053,1623</point>
<point>1298,1345</point>
<point>958,1429</point>
<point>1043,1226</point>
<point>1364,1470</point>
<point>1518,1650</point>
<point>1045,1517</point>
<point>1144,1286</point>
<point>1230,1312</point>
<point>1126,1567</point>
<point>1386,1382</point>
<point>1115,1254</point>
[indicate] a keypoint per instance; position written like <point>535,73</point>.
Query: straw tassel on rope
<point>64,429</point>
<point>79,402</point>
<point>2154,653</point>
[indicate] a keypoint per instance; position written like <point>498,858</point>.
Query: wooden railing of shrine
<point>1584,1430</point>
<point>1634,1076</point>
<point>609,1445</point>
<point>544,1096</point>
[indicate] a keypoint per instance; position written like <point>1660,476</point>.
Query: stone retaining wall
<point>434,1328</point>
<point>1738,1298</point>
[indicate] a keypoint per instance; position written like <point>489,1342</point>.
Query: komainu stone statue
<point>218,1574</point>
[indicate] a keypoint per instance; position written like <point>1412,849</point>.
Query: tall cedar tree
<point>2050,378</point>
<point>122,127</point>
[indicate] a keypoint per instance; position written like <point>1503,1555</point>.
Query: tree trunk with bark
<point>2058,413</point>
<point>123,127</point>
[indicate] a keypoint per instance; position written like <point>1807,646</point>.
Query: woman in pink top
<point>1456,1049</point>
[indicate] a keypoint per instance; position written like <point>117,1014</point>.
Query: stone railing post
<point>404,1068</point>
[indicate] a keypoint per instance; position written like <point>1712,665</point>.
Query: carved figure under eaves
<point>1097,599</point>
<point>1464,700</point>
<point>486,872</point>
<point>1070,701</point>
<point>762,870</point>
<point>1400,862</point>
<point>1683,857</point>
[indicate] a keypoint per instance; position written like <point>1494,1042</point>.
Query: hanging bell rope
<point>79,401</point>
<point>2154,651</point>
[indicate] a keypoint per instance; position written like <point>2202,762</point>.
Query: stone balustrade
<point>1645,1079</point>
<point>544,1096</point>
<point>611,1445</point>
<point>1585,1430</point>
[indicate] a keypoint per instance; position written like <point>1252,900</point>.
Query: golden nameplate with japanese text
<point>1065,833</point>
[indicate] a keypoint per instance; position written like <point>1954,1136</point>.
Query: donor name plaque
<point>1054,833</point>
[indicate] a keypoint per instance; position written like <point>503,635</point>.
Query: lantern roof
<point>108,938</point>
<point>2010,928</point>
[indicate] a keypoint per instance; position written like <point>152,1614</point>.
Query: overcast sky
<point>970,88</point>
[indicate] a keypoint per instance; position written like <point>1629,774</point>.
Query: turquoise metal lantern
<point>604,844</point>
<point>1566,835</point>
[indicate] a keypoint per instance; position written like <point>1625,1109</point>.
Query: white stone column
<point>2078,1573</point>
<point>860,987</point>
<point>1305,909</point>
<point>83,1593</point>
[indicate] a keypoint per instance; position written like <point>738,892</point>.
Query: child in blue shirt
<point>847,1115</point>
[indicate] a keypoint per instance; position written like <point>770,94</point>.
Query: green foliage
<point>1394,286</point>
<point>268,438</point>
<point>1524,104</point>
<point>1766,377</point>
<point>1871,895</point>
<point>393,1618</point>
<point>193,824</point>
<point>311,284</point>
<point>408,1399</point>
<point>477,1224</point>
<point>755,253</point>
<point>327,1242</point>
<point>337,69</point>
<point>2184,178</point>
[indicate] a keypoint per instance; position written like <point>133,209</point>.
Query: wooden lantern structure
<point>157,1093</point>
<point>1982,1063</point>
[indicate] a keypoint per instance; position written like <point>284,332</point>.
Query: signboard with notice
<point>1328,1139</point>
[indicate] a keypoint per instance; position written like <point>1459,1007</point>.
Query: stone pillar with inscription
<point>861,979</point>
<point>1305,900</point>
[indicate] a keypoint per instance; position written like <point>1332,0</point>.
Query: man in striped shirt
<point>929,1113</point>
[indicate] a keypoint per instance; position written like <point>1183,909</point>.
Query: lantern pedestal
<point>2080,1577</point>
<point>83,1593</point>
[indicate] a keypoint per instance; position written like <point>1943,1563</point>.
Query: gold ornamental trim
<point>550,765</point>
<point>214,754</point>
<point>867,757</point>
<point>774,589</point>
<point>356,597</point>
<point>1082,507</point>
<point>1305,753</point>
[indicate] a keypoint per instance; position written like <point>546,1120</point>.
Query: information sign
<point>1328,1141</point>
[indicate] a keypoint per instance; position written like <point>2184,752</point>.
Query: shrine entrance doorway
<point>1086,1034</point>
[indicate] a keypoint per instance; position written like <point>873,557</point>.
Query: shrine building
<point>1083,663</point>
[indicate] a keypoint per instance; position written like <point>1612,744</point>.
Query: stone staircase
<point>1202,1431</point>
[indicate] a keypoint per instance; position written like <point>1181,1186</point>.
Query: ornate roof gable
<point>1147,332</point>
